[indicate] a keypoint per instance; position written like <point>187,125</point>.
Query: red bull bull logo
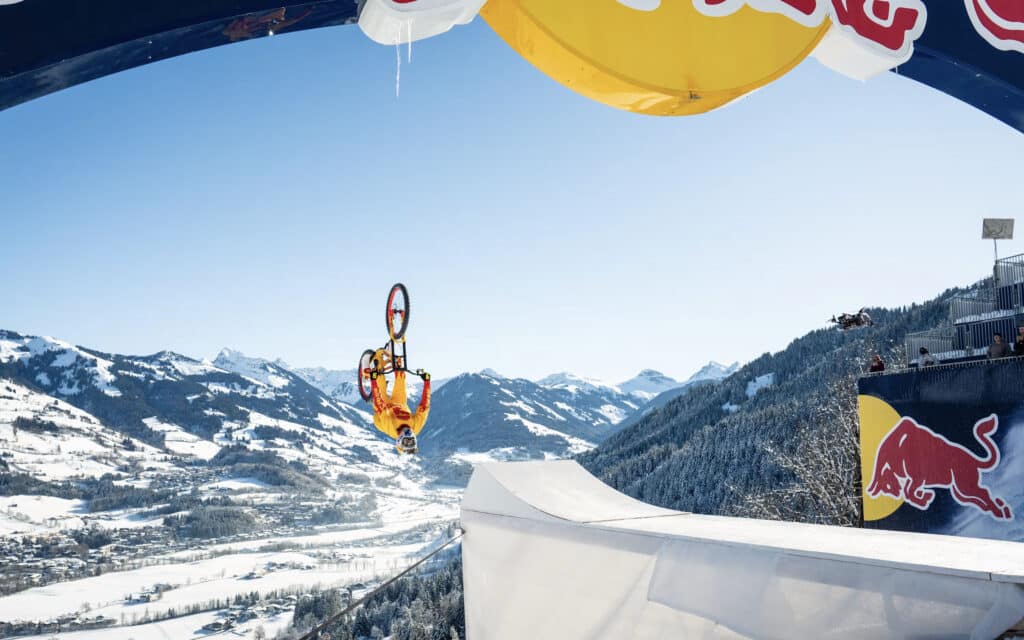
<point>999,22</point>
<point>913,461</point>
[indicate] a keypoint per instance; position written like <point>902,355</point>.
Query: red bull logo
<point>1000,22</point>
<point>890,26</point>
<point>913,461</point>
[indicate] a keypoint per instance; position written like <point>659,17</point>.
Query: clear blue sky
<point>265,195</point>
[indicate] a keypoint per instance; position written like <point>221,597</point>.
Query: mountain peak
<point>713,371</point>
<point>573,382</point>
<point>230,354</point>
<point>648,383</point>
<point>264,371</point>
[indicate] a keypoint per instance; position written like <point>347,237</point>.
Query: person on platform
<point>877,365</point>
<point>926,359</point>
<point>1018,342</point>
<point>998,348</point>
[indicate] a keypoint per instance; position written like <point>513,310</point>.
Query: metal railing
<point>937,341</point>
<point>1009,283</point>
<point>973,308</point>
<point>1009,270</point>
<point>978,361</point>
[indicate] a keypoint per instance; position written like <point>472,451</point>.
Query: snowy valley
<point>161,495</point>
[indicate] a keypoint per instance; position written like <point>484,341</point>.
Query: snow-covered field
<point>184,627</point>
<point>411,519</point>
<point>40,512</point>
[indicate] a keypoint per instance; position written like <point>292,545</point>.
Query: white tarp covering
<point>551,552</point>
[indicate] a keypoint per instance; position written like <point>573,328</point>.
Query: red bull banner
<point>683,57</point>
<point>942,450</point>
<point>657,57</point>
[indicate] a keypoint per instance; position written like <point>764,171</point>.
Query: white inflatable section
<point>852,57</point>
<point>391,22</point>
<point>552,552</point>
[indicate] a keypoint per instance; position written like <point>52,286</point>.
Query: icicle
<point>409,42</point>
<point>398,68</point>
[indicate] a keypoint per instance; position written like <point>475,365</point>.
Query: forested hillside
<point>712,448</point>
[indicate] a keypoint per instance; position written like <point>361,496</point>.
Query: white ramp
<point>552,552</point>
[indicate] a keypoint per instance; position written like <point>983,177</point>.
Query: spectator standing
<point>877,364</point>
<point>926,359</point>
<point>998,348</point>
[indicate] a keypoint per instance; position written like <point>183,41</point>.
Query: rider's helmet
<point>407,440</point>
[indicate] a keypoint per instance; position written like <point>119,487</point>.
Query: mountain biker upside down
<point>391,414</point>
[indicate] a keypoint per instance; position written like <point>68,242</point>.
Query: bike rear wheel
<point>397,312</point>
<point>363,374</point>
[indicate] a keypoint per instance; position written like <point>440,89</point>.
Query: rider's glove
<point>423,374</point>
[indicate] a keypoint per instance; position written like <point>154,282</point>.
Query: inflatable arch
<point>659,57</point>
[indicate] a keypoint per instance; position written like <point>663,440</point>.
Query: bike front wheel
<point>398,311</point>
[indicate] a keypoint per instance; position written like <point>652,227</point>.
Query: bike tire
<point>397,332</point>
<point>363,380</point>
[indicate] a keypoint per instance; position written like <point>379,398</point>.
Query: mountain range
<point>168,409</point>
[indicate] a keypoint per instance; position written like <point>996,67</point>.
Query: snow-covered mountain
<point>649,383</point>
<point>710,373</point>
<point>339,385</point>
<point>486,416</point>
<point>180,407</point>
<point>478,416</point>
<point>573,383</point>
<point>274,374</point>
<point>714,371</point>
<point>53,440</point>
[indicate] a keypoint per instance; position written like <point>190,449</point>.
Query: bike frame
<point>386,356</point>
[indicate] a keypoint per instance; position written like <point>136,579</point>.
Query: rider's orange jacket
<point>391,414</point>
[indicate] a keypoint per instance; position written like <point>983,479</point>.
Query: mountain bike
<point>393,356</point>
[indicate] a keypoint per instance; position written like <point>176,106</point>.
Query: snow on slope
<point>67,364</point>
<point>188,407</point>
<point>573,445</point>
<point>62,441</point>
<point>182,442</point>
<point>479,417</point>
<point>758,383</point>
<point>30,514</point>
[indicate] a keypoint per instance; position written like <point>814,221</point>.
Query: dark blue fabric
<point>952,57</point>
<point>49,46</point>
